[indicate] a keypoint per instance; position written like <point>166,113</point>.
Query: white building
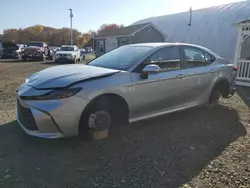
<point>211,27</point>
<point>242,53</point>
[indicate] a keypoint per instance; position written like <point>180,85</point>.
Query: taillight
<point>235,68</point>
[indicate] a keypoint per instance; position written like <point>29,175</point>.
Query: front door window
<point>168,59</point>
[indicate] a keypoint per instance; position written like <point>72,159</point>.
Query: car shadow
<point>162,152</point>
<point>53,63</point>
<point>26,61</point>
<point>10,61</point>
<point>244,93</point>
<point>64,63</point>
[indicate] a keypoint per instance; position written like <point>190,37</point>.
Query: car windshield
<point>38,44</point>
<point>121,58</point>
<point>67,48</point>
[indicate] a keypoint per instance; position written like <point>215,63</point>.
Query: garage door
<point>111,43</point>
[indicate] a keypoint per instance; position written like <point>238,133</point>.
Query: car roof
<point>166,44</point>
<point>157,44</point>
<point>68,45</point>
<point>36,42</point>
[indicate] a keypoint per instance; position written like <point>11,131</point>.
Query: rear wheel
<point>24,58</point>
<point>80,59</point>
<point>214,97</point>
<point>42,57</point>
<point>51,57</point>
<point>19,56</point>
<point>74,61</point>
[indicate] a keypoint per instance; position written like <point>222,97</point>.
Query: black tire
<point>74,61</point>
<point>19,56</point>
<point>51,57</point>
<point>80,59</point>
<point>42,57</point>
<point>214,97</point>
<point>24,58</point>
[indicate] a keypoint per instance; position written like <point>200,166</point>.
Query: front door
<point>161,91</point>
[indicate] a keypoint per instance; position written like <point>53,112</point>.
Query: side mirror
<point>149,69</point>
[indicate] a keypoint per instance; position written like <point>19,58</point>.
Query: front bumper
<point>32,55</point>
<point>63,60</point>
<point>51,118</point>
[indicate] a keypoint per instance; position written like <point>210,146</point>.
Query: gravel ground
<point>194,148</point>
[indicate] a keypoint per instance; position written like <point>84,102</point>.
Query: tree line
<point>53,36</point>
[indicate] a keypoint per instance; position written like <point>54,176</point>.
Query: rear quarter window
<point>209,58</point>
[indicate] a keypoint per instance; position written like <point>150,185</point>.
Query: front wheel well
<point>113,103</point>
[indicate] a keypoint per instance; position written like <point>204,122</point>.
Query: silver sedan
<point>131,83</point>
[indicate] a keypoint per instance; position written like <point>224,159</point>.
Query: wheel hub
<point>99,120</point>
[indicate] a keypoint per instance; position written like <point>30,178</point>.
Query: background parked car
<point>68,53</point>
<point>8,50</point>
<point>36,50</point>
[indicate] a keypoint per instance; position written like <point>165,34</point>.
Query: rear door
<point>199,72</point>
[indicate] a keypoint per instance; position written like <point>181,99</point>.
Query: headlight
<point>55,94</point>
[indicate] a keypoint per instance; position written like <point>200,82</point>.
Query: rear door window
<point>194,57</point>
<point>209,58</point>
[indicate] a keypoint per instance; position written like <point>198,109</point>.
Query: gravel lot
<point>194,148</point>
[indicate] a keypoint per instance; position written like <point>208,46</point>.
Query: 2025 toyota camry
<point>130,83</point>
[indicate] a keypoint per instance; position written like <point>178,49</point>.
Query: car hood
<point>64,52</point>
<point>33,47</point>
<point>64,75</point>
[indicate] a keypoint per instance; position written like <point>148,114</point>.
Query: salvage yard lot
<point>198,147</point>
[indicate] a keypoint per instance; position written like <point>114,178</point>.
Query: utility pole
<point>190,16</point>
<point>93,37</point>
<point>71,35</point>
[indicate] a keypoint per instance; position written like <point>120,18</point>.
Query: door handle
<point>180,76</point>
